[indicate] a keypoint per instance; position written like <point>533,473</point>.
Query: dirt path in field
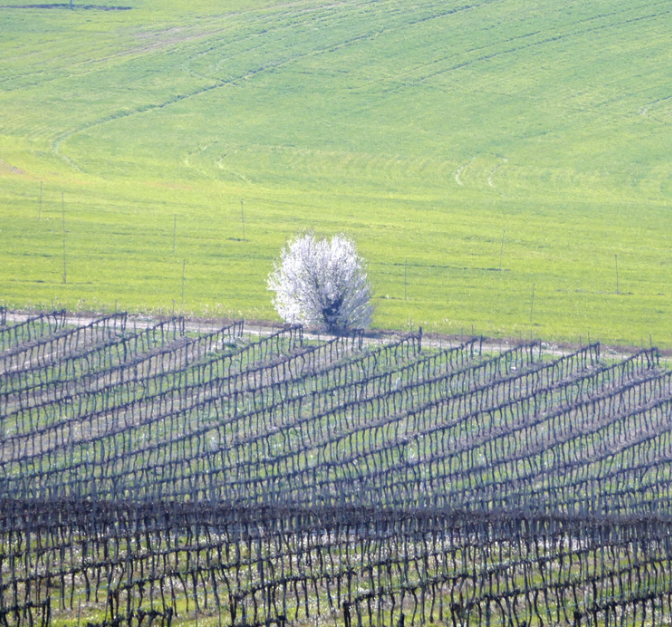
<point>372,336</point>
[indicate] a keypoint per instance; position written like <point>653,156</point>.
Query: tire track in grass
<point>120,115</point>
<point>320,163</point>
<point>482,168</point>
<point>458,172</point>
<point>102,54</point>
<point>495,169</point>
<point>329,48</point>
<point>655,110</point>
<point>547,40</point>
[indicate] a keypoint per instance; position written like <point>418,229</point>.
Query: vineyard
<point>154,475</point>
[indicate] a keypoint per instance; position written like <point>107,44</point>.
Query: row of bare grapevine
<point>148,474</point>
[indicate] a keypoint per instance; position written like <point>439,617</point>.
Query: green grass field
<point>426,131</point>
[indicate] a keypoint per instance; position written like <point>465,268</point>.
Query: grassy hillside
<point>448,138</point>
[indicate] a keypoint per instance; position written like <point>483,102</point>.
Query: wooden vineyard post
<point>501,251</point>
<point>65,265</point>
<point>184,266</point>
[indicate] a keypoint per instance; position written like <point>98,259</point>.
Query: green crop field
<point>501,164</point>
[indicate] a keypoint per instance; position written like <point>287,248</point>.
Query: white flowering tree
<point>322,283</point>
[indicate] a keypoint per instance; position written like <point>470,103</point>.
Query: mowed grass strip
<point>500,165</point>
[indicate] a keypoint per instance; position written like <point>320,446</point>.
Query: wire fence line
<point>149,476</point>
<point>257,565</point>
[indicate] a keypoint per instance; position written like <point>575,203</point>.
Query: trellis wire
<point>152,474</point>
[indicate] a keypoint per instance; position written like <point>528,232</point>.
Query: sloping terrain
<point>476,151</point>
<point>150,474</point>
